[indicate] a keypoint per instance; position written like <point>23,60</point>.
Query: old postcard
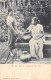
<point>25,40</point>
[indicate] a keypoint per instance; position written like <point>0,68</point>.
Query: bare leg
<point>11,53</point>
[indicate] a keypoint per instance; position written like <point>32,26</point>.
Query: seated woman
<point>36,43</point>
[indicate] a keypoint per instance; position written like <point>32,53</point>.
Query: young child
<point>36,43</point>
<point>12,30</point>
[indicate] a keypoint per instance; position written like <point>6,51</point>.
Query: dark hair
<point>9,10</point>
<point>36,19</point>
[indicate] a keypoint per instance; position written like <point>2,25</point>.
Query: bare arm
<point>13,29</point>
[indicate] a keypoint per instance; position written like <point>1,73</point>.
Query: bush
<point>20,19</point>
<point>3,27</point>
<point>3,35</point>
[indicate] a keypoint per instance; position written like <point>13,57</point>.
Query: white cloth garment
<point>36,43</point>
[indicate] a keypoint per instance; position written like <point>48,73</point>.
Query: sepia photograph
<point>25,31</point>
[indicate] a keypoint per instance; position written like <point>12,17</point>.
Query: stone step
<point>46,48</point>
